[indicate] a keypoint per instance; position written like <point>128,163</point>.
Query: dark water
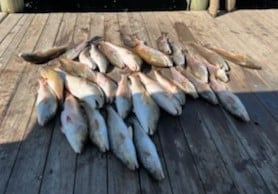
<point>127,5</point>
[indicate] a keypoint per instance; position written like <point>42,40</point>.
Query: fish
<point>85,91</point>
<point>146,151</point>
<point>46,104</point>
<point>98,132</point>
<point>152,56</point>
<point>238,58</point>
<point>219,73</point>
<point>85,58</point>
<point>177,55</point>
<point>144,107</point>
<point>123,97</point>
<point>229,100</point>
<point>73,123</point>
<point>203,88</point>
<point>163,43</point>
<point>75,50</point>
<point>108,85</point>
<point>197,67</point>
<point>119,56</point>
<point>183,83</point>
<point>99,59</point>
<point>162,98</point>
<point>120,140</point>
<point>54,81</point>
<point>211,56</point>
<point>171,87</point>
<point>40,57</point>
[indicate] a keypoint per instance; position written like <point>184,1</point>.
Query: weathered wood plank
<point>10,21</point>
<point>14,31</point>
<point>120,179</point>
<point>257,85</point>
<point>34,137</point>
<point>172,138</point>
<point>3,16</point>
<point>211,167</point>
<point>148,184</point>
<point>249,133</point>
<point>14,120</point>
<point>16,66</point>
<point>260,82</point>
<point>91,172</point>
<point>60,167</point>
<point>82,27</point>
<point>259,40</point>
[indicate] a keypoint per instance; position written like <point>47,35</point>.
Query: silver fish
<point>219,73</point>
<point>85,58</point>
<point>123,97</point>
<point>99,59</point>
<point>177,55</point>
<point>150,55</point>
<point>203,88</point>
<point>163,43</point>
<point>54,81</point>
<point>120,141</point>
<point>229,100</point>
<point>46,103</point>
<point>97,129</point>
<point>171,87</point>
<point>146,150</point>
<point>183,83</point>
<point>86,91</point>
<point>108,85</point>
<point>119,56</point>
<point>163,98</point>
<point>211,56</point>
<point>197,67</point>
<point>145,109</point>
<point>40,57</point>
<point>74,125</point>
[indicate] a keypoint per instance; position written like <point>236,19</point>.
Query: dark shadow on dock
<point>44,161</point>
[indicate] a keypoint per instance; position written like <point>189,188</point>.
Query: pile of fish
<point>122,116</point>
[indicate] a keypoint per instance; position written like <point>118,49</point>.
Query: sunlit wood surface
<point>205,150</point>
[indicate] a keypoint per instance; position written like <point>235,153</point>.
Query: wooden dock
<point>205,150</point>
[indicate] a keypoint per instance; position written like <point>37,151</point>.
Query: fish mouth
<point>96,40</point>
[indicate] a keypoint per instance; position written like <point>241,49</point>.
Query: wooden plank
<point>265,30</point>
<point>3,16</point>
<point>149,185</point>
<point>60,167</point>
<point>260,82</point>
<point>10,21</point>
<point>34,137</point>
<point>91,171</point>
<point>16,67</point>
<point>120,179</point>
<point>10,43</point>
<point>15,121</point>
<point>261,88</point>
<point>14,31</point>
<point>259,40</point>
<point>82,24</point>
<point>251,135</point>
<point>172,138</point>
<point>214,175</point>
